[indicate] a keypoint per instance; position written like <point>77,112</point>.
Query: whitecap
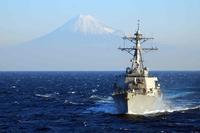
<point>16,102</point>
<point>169,110</point>
<point>104,108</point>
<point>74,103</point>
<point>47,95</point>
<point>106,105</point>
<point>95,97</point>
<point>103,104</point>
<point>101,97</point>
<point>13,86</point>
<point>94,90</point>
<point>71,92</point>
<point>43,95</point>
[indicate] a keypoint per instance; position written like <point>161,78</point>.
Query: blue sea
<point>64,102</point>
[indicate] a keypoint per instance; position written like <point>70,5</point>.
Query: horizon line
<point>94,70</point>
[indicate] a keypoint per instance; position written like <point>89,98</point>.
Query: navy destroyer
<point>140,92</point>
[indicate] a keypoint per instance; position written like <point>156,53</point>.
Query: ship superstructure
<point>141,91</point>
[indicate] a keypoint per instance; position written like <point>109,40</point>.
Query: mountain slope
<point>82,43</point>
<point>83,29</point>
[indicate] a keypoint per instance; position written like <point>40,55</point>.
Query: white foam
<point>13,86</point>
<point>102,99</point>
<point>104,108</point>
<point>47,95</point>
<point>170,110</point>
<point>94,90</point>
<point>71,92</point>
<point>43,95</point>
<point>70,102</point>
<point>106,105</point>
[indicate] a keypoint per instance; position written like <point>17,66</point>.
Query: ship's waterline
<point>129,103</point>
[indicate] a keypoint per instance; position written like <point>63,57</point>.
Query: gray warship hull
<point>130,103</point>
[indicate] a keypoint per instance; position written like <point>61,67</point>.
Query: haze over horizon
<point>173,24</point>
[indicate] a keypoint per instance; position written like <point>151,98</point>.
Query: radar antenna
<point>136,50</point>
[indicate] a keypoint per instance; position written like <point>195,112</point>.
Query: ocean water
<point>63,102</point>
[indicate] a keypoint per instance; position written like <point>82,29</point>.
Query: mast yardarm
<point>137,66</point>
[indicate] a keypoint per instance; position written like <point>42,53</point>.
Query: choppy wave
<point>180,95</point>
<point>48,95</point>
<point>103,104</point>
<point>73,103</point>
<point>102,108</point>
<point>102,99</point>
<point>170,110</point>
<point>71,92</point>
<point>32,98</point>
<point>94,90</point>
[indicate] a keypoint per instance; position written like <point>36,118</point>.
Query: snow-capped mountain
<point>87,24</point>
<point>82,43</point>
<point>83,29</point>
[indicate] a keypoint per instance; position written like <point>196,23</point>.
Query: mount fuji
<point>87,25</point>
<point>83,29</point>
<point>82,43</point>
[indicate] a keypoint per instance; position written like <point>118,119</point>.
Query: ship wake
<point>107,105</point>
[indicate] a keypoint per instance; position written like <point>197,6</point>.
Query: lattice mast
<point>136,50</point>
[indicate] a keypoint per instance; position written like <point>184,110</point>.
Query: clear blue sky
<point>172,22</point>
<point>26,19</point>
